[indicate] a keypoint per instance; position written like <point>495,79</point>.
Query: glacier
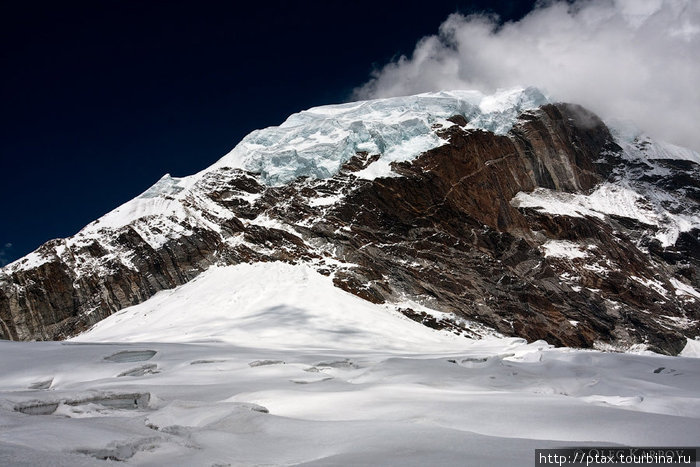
<point>316,142</point>
<point>287,369</point>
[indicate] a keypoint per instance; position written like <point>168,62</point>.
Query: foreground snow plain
<point>269,364</point>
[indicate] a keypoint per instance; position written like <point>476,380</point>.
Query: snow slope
<point>274,305</point>
<point>617,199</point>
<point>629,195</point>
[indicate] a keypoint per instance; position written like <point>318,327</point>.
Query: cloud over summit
<point>628,59</point>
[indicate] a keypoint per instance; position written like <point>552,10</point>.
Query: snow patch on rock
<point>612,199</point>
<point>563,249</point>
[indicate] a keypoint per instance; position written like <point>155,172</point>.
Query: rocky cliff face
<point>553,230</point>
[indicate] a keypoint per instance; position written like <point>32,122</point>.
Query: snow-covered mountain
<point>479,214</point>
<point>345,289</point>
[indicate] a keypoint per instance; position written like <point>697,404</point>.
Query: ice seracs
<point>316,142</point>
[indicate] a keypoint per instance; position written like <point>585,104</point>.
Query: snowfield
<point>269,364</point>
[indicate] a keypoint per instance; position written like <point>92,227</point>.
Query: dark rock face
<point>41,303</point>
<point>447,232</point>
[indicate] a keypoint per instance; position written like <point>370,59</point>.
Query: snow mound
<point>316,142</point>
<point>277,305</point>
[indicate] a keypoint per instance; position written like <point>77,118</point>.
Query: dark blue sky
<point>101,98</point>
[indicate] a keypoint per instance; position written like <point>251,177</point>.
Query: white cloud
<point>629,59</point>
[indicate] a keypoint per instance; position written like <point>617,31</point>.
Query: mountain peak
<point>478,215</point>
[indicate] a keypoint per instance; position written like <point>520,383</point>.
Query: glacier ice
<point>316,142</point>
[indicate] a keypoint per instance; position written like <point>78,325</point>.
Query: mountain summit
<point>478,214</point>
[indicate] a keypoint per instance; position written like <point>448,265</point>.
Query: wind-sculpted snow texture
<point>398,401</point>
<point>471,213</point>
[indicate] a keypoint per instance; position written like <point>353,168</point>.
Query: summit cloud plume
<point>630,59</point>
